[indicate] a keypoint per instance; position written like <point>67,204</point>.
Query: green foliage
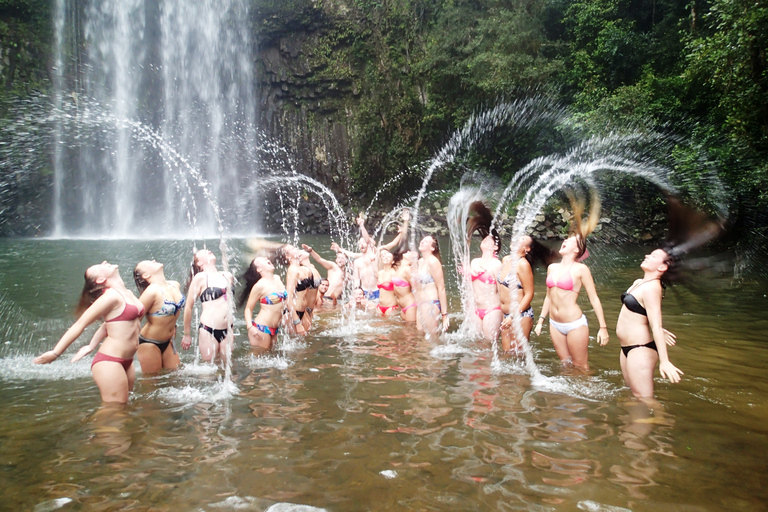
<point>409,73</point>
<point>25,45</point>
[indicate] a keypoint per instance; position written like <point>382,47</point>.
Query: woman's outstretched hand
<point>46,357</point>
<point>84,351</point>
<point>670,372</point>
<point>670,338</point>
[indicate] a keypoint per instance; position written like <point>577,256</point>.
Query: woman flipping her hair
<point>639,327</point>
<point>106,297</point>
<point>568,325</point>
<point>388,264</point>
<point>215,336</point>
<point>430,288</point>
<point>483,272</point>
<point>163,302</point>
<point>516,287</point>
<point>299,281</point>
<point>517,281</point>
<point>264,287</point>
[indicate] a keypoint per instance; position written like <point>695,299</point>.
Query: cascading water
<point>183,70</point>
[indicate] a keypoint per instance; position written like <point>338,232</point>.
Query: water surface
<point>366,414</point>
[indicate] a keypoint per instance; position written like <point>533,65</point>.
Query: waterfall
<point>185,71</point>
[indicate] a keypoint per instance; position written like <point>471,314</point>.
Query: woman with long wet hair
<point>299,280</point>
<point>516,287</point>
<point>213,288</point>
<point>105,297</point>
<point>163,302</point>
<point>568,325</point>
<point>430,288</point>
<point>388,304</point>
<point>263,287</point>
<point>639,327</point>
<point>515,280</point>
<point>388,264</point>
<point>483,272</point>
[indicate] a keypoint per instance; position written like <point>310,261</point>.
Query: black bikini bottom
<point>218,334</point>
<point>162,345</point>
<point>651,345</point>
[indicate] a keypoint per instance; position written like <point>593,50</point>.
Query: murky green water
<point>368,415</point>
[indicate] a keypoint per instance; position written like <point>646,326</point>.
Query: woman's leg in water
<point>209,347</point>
<point>171,357</point>
<point>261,342</point>
<point>509,335</point>
<point>638,369</point>
<point>429,316</point>
<point>114,382</point>
<point>150,358</point>
<point>492,324</point>
<point>578,346</point>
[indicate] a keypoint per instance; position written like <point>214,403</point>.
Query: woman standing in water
<point>264,287</point>
<point>388,305</point>
<point>639,328</point>
<point>163,302</point>
<point>105,297</point>
<point>568,325</point>
<point>483,271</point>
<point>215,336</point>
<point>430,288</point>
<point>515,280</point>
<point>298,281</point>
<point>402,281</point>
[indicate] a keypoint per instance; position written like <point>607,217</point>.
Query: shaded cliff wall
<point>307,93</point>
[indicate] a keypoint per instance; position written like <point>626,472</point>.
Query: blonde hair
<point>581,228</point>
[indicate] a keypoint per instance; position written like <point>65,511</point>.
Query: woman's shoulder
<point>580,270</point>
<point>152,289</point>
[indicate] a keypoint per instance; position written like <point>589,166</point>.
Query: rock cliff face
<point>305,102</point>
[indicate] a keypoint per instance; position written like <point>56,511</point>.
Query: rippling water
<point>368,415</point>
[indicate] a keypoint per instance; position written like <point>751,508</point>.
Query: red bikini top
<point>130,312</point>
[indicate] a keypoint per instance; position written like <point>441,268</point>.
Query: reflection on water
<point>371,415</point>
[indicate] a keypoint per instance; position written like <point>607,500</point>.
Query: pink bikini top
<point>387,286</point>
<point>129,313</point>
<point>565,282</point>
<point>400,283</point>
<point>484,277</point>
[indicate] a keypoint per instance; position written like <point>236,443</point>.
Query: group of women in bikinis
<point>410,283</point>
<point>503,290</point>
<point>106,299</point>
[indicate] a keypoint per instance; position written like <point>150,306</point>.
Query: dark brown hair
<point>481,222</point>
<point>91,291</point>
<point>251,276</point>
<point>141,283</point>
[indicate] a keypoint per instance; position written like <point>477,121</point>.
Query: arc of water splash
<point>457,217</point>
<point>522,113</point>
<point>574,158</point>
<point>340,225</point>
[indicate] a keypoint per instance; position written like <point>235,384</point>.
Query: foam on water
<point>268,361</point>
<point>22,368</point>
<point>221,391</point>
